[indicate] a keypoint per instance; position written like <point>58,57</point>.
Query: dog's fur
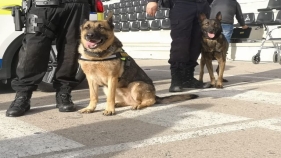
<point>214,46</point>
<point>123,85</point>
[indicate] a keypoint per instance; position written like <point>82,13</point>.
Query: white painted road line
<point>179,118</point>
<point>19,139</point>
<point>167,139</point>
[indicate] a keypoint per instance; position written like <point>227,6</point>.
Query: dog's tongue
<point>91,44</point>
<point>211,35</point>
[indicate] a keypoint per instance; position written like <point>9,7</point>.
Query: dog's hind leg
<point>93,87</point>
<point>221,70</point>
<point>217,70</point>
<point>143,95</point>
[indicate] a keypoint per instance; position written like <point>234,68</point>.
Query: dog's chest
<point>101,71</point>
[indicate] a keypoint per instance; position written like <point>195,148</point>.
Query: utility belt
<point>36,23</point>
<point>52,3</point>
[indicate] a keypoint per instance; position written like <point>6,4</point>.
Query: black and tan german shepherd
<point>106,64</point>
<point>214,47</point>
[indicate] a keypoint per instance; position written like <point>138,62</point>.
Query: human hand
<point>151,8</point>
<point>245,27</point>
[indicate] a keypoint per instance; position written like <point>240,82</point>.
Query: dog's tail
<point>174,98</point>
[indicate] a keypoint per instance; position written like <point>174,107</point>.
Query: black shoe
<point>64,102</point>
<point>176,83</point>
<point>19,106</point>
<point>193,83</point>
<point>190,82</point>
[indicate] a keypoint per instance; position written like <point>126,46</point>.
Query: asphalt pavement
<point>242,120</point>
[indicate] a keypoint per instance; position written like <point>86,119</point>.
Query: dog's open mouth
<point>92,44</point>
<point>211,35</point>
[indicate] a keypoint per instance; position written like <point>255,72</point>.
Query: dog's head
<point>211,28</point>
<point>97,36</point>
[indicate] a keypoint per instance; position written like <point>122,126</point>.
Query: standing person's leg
<point>32,65</point>
<point>181,16</point>
<point>227,31</point>
<point>67,47</point>
<point>189,81</point>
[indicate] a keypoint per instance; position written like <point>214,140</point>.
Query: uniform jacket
<point>228,9</point>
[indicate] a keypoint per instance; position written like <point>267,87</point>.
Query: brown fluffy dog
<point>214,46</point>
<point>106,64</point>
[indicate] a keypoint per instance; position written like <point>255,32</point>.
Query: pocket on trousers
<point>179,28</point>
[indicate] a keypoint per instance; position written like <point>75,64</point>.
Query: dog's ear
<point>110,19</point>
<point>81,26</point>
<point>202,17</point>
<point>218,16</point>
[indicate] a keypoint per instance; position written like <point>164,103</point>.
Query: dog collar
<point>114,56</point>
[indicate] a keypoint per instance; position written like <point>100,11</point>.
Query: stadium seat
<point>131,10</point>
<point>117,27</point>
<point>166,24</point>
<point>148,17</point>
<point>167,13</point>
<point>116,18</point>
<point>141,16</point>
<point>129,4</point>
<point>105,7</point>
<point>136,3</point>
<point>144,26</point>
<point>272,4</point>
<point>126,26</point>
<point>160,14</point>
<point>143,2</point>
<point>138,9</point>
<point>123,10</point>
<point>122,5</point>
<point>135,26</point>
<point>124,18</point>
<point>116,11</point>
<point>110,7</point>
<point>133,17</point>
<point>155,25</point>
<point>116,5</point>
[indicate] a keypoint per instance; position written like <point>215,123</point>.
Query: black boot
<point>176,83</point>
<point>64,102</point>
<point>189,81</point>
<point>20,105</point>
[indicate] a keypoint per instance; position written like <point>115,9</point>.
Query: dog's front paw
<point>219,86</point>
<point>86,111</point>
<point>108,113</point>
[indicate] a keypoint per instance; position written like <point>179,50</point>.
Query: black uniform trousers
<point>34,53</point>
<point>186,32</point>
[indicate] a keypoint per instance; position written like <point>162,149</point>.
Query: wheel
<point>275,57</point>
<point>256,59</point>
<point>47,82</point>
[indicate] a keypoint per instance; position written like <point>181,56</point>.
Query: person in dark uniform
<point>186,40</point>
<point>56,19</point>
<point>228,9</point>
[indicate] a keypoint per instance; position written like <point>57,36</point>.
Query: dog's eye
<point>101,27</point>
<point>87,27</point>
<point>207,23</point>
